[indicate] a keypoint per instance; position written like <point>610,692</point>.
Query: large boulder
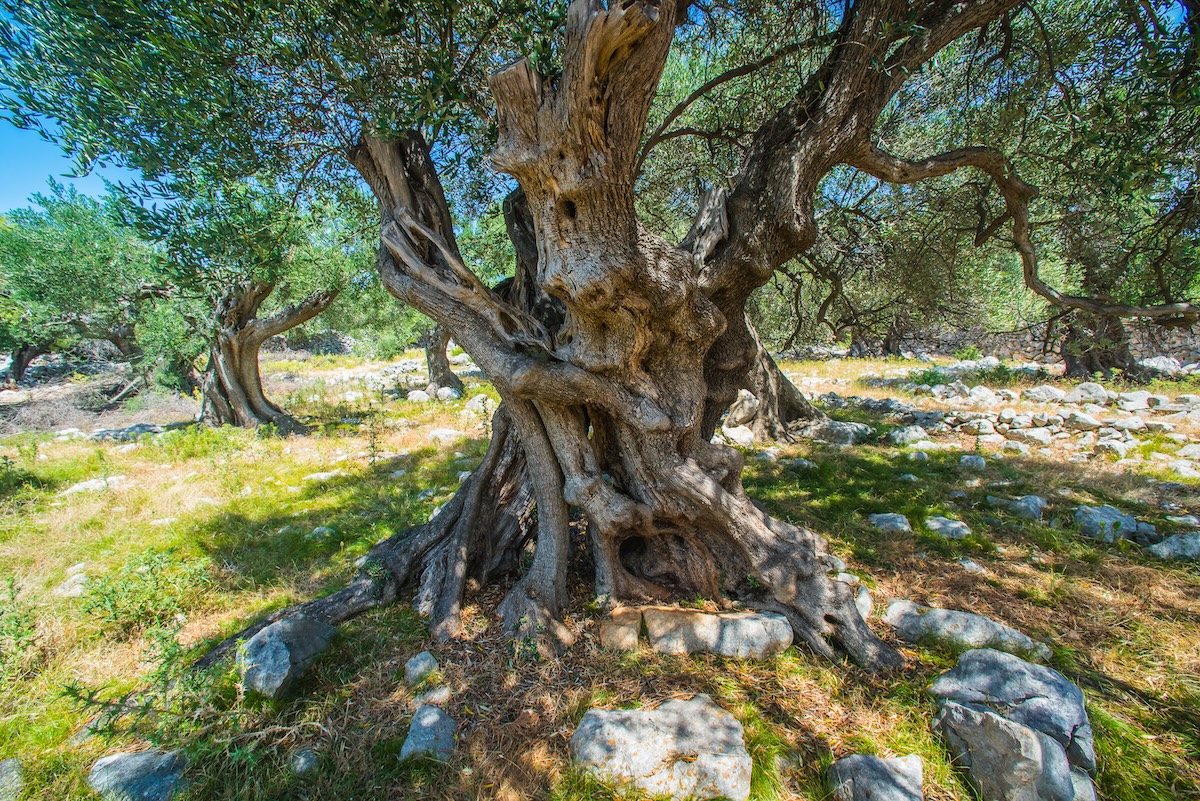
<point>277,656</point>
<point>431,734</point>
<point>916,623</point>
<point>1179,546</point>
<point>419,667</point>
<point>746,635</point>
<point>1031,695</point>
<point>1088,392</point>
<point>1106,523</point>
<point>862,777</point>
<point>683,749</point>
<point>743,410</point>
<point>1007,761</point>
<point>140,776</point>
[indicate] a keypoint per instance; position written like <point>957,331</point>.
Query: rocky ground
<point>1030,544</point>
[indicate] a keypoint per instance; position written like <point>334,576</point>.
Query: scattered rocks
<point>304,761</point>
<point>1106,523</point>
<point>971,566</point>
<point>97,485</point>
<point>12,779</point>
<point>1043,394</point>
<point>321,478</point>
<point>1087,392</point>
<point>971,461</point>
<point>443,435</point>
<point>448,394</point>
<point>946,528</point>
<point>739,435</point>
<point>418,396</point>
<point>431,734</point>
<point>438,696</point>
<point>837,432</point>
<point>743,410</point>
<point>1184,546</point>
<point>480,405</point>
<point>419,668</point>
<point>140,776</point>
<point>916,623</point>
<point>1028,694</point>
<point>321,534</point>
<point>74,586</point>
<point>862,777</point>
<point>620,631</point>
<point>683,749</point>
<point>277,656</point>
<point>745,635</point>
<point>1078,421</point>
<point>907,435</point>
<point>1007,761</point>
<point>1027,507</point>
<point>891,522</point>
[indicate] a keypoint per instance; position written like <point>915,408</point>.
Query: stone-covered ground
<point>129,550</point>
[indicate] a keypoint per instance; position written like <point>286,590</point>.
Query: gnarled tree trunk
<point>232,386</point>
<point>22,357</point>
<point>1096,344</point>
<point>770,403</point>
<point>617,360</point>
<point>436,340</point>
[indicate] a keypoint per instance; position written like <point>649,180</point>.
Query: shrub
<point>20,653</point>
<point>969,353</point>
<point>149,591</point>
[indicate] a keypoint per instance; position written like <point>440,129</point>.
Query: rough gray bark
<point>436,341</point>
<point>232,385</point>
<point>22,357</point>
<point>617,352</point>
<point>1096,345</point>
<point>779,410</point>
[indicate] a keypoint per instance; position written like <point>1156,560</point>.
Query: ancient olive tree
<point>259,268</point>
<point>73,269</point>
<point>616,349</point>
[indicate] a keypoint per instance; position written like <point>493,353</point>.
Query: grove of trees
<point>663,167</point>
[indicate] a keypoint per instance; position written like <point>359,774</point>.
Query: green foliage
<point>149,591</point>
<point>71,267</point>
<point>20,654</point>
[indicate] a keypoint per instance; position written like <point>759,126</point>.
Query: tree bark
<point>232,385</point>
<point>22,356</point>
<point>436,341</point>
<point>1096,344</point>
<point>770,404</point>
<point>616,352</point>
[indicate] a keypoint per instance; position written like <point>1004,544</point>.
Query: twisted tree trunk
<point>436,340</point>
<point>22,357</point>
<point>770,403</point>
<point>1096,344</point>
<point>232,385</point>
<point>617,352</point>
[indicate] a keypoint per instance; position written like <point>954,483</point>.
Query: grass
<point>211,530</point>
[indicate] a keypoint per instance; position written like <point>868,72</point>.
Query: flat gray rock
<point>1078,421</point>
<point>1105,523</point>
<point>907,435</point>
<point>1029,694</point>
<point>1088,392</point>
<point>1007,761</point>
<point>892,522</point>
<point>1043,394</point>
<point>836,432</point>
<point>862,777</point>
<point>140,776</point>
<point>419,667</point>
<point>276,657</point>
<point>946,528</point>
<point>12,779</point>
<point>683,749</point>
<point>745,635</point>
<point>431,734</point>
<point>1184,546</point>
<point>916,623</point>
<point>1027,507</point>
<point>304,761</point>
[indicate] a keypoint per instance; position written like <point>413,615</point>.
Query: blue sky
<point>27,160</point>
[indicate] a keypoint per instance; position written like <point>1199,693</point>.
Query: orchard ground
<point>208,530</point>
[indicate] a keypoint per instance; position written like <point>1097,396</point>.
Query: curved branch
<point>292,315</point>
<point>1017,195</point>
